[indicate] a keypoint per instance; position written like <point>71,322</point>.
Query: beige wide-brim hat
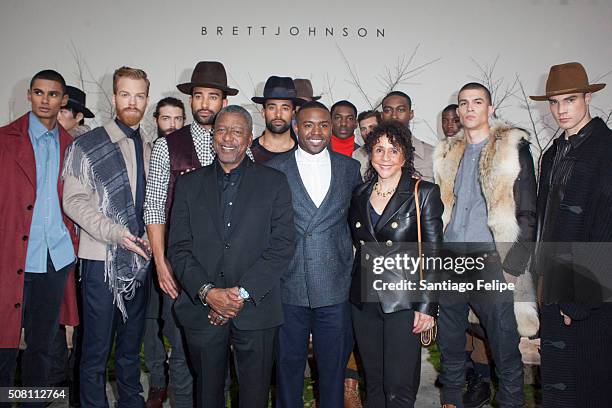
<point>566,79</point>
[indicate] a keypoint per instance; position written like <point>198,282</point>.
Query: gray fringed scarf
<point>98,163</point>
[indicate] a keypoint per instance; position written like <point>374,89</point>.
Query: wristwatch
<point>243,293</point>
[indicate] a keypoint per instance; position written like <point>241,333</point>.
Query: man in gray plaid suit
<point>315,289</point>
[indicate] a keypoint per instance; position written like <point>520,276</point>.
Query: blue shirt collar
<point>37,129</point>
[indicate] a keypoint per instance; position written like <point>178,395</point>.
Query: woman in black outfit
<point>382,214</point>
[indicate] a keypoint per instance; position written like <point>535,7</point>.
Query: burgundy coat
<point>17,198</point>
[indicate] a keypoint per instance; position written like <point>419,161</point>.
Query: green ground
<point>532,392</point>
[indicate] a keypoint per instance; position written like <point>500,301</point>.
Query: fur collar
<point>498,169</point>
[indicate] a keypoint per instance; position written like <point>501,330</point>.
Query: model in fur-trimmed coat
<point>506,176</point>
<point>487,184</point>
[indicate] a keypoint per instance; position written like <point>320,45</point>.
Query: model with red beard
<point>105,175</point>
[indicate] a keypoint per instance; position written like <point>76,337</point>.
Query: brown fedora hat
<point>566,79</point>
<point>208,74</point>
<point>304,91</point>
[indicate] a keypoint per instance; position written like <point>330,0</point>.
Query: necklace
<point>383,193</point>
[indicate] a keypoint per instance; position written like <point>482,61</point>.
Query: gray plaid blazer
<point>320,272</point>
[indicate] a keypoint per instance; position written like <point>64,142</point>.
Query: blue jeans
<point>103,325</point>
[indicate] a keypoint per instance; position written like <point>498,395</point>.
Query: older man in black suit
<point>315,288</point>
<point>231,238</point>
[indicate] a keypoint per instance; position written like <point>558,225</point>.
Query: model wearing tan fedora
<point>566,79</point>
<point>575,206</point>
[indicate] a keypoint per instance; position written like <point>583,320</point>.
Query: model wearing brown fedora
<point>303,87</point>
<point>304,90</point>
<point>567,78</point>
<point>575,206</point>
<point>181,151</point>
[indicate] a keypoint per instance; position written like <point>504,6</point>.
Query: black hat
<point>208,74</point>
<point>279,88</point>
<point>76,101</point>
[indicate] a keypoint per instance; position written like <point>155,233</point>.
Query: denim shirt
<point>468,223</point>
<point>48,233</point>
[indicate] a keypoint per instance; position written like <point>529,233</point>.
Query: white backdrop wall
<point>438,45</point>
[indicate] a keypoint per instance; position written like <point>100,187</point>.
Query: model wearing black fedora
<point>279,88</point>
<point>279,101</point>
<point>72,115</point>
<point>76,101</point>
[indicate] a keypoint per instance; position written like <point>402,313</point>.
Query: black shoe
<point>478,393</point>
<point>438,383</point>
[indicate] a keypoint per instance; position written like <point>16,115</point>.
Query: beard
<point>129,117</point>
<point>161,133</point>
<point>278,129</point>
<point>210,120</point>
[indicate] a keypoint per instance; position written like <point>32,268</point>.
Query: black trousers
<point>155,355</point>
<point>332,341</point>
<point>208,350</point>
<point>391,356</point>
<point>496,314</point>
<point>42,299</point>
<point>65,362</point>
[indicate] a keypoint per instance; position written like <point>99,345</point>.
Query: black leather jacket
<point>397,224</point>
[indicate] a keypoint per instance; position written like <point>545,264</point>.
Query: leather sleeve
<point>525,194</point>
<point>432,237</point>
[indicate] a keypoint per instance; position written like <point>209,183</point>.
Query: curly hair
<point>399,136</point>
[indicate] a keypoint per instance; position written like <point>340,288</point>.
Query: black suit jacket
<point>256,254</point>
<point>397,224</point>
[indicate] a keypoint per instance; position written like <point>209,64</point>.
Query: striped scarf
<point>98,163</point>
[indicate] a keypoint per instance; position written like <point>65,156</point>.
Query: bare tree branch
<point>241,90</point>
<point>354,77</point>
<point>329,88</point>
<point>433,131</point>
<point>605,115</point>
<point>500,91</point>
<point>79,61</point>
<point>602,76</point>
<point>527,106</point>
<point>83,71</point>
<point>390,78</point>
<point>403,72</point>
<point>537,127</point>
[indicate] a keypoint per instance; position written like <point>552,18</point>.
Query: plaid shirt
<point>159,171</point>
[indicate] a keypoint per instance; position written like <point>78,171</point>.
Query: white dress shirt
<point>315,171</point>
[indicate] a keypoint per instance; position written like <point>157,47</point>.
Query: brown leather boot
<point>156,397</point>
<point>351,394</point>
